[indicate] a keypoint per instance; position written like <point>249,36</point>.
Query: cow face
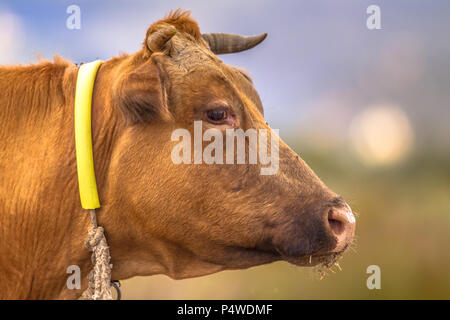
<point>193,218</point>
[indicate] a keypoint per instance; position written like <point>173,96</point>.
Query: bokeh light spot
<point>381,135</point>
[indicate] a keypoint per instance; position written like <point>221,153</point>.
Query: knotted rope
<point>99,287</point>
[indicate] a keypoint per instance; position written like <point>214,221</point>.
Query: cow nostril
<point>336,226</point>
<point>342,225</point>
<point>337,221</point>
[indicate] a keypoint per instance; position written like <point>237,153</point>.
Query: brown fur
<point>179,220</point>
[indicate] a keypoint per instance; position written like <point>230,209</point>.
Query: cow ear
<point>158,40</point>
<point>141,94</point>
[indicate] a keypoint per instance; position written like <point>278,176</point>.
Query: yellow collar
<point>83,136</point>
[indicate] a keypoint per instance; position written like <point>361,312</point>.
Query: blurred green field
<point>403,226</point>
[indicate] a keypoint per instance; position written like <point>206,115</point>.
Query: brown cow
<point>160,218</point>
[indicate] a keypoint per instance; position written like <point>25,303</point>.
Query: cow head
<point>188,220</point>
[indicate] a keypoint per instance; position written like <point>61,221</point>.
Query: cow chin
<point>257,257</point>
<point>325,260</point>
<point>319,250</point>
<point>241,258</point>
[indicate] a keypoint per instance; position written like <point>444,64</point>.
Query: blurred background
<point>368,110</point>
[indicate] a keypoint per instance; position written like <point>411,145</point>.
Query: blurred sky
<point>319,66</point>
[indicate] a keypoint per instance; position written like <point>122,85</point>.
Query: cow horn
<point>220,43</point>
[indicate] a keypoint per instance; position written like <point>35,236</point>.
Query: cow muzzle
<point>321,231</point>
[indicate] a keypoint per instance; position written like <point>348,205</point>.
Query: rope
<point>99,287</point>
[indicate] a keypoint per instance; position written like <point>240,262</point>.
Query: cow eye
<point>217,115</point>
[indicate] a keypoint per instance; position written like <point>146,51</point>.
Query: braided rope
<point>99,287</point>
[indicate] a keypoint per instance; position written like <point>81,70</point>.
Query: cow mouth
<point>267,252</point>
<point>321,260</point>
<point>325,260</point>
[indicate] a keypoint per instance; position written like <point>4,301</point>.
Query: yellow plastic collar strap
<point>83,135</point>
